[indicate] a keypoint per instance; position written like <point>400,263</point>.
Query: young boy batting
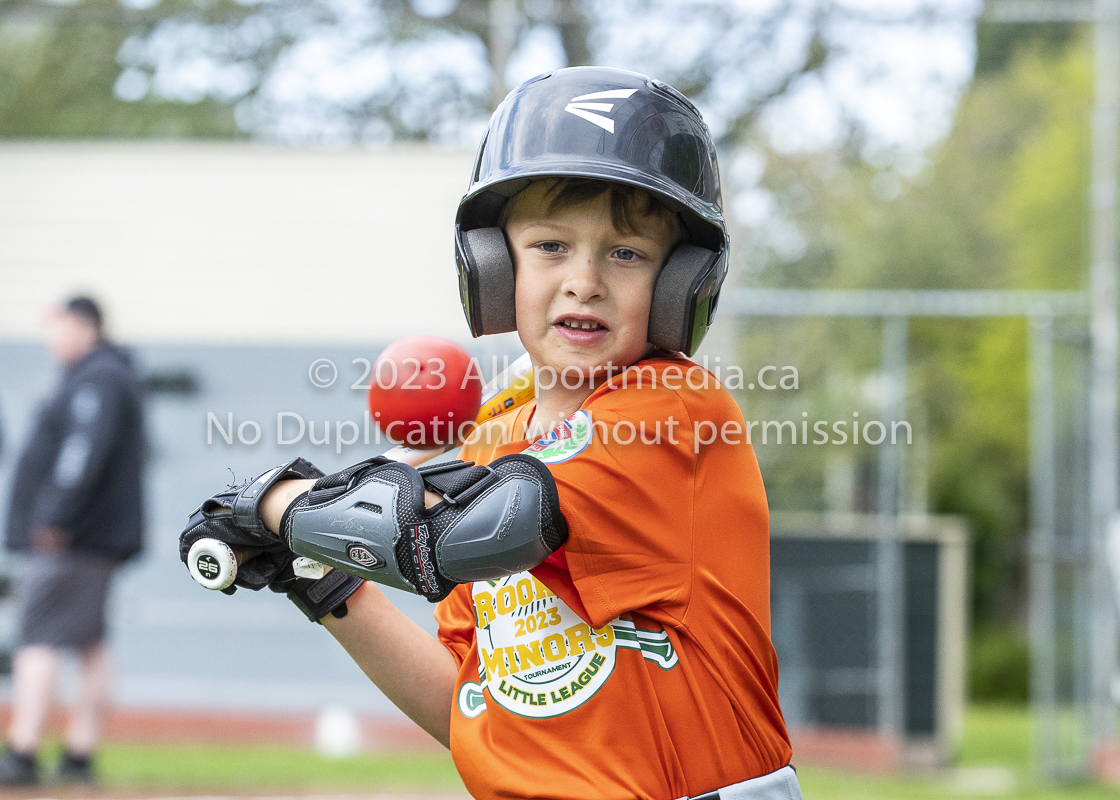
<point>602,574</point>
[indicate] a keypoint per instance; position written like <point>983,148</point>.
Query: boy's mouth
<point>581,328</point>
<point>582,324</point>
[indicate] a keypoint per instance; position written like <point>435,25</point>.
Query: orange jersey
<point>636,661</point>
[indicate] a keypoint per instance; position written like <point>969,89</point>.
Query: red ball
<point>422,390</point>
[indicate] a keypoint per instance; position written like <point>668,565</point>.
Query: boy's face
<point>584,287</point>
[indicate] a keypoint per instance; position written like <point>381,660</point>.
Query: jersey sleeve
<point>455,617</point>
<point>627,492</point>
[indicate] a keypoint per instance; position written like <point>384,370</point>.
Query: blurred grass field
<point>994,761</point>
<point>270,769</point>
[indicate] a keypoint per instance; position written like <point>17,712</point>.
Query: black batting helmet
<point>611,125</point>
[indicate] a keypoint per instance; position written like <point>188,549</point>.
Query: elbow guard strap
<point>370,520</point>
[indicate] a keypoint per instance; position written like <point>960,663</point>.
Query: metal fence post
<point>889,546</point>
<point>1043,500</point>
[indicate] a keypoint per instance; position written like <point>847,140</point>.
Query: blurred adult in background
<point>75,515</point>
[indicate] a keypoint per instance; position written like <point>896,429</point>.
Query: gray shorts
<point>60,598</point>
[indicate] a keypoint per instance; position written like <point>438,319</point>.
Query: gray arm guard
<point>369,520</point>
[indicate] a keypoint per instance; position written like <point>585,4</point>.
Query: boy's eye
<point>625,255</point>
<point>550,247</point>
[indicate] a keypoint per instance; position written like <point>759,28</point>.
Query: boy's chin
<point>576,371</point>
<point>572,375</point>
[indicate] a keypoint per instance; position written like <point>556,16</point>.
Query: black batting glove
<point>317,597</point>
<point>232,516</point>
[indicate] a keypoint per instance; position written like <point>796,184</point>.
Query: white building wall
<point>232,242</point>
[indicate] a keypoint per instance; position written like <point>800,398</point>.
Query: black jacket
<point>81,469</point>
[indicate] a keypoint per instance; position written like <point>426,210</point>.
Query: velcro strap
<point>248,499</point>
<point>328,595</point>
<point>245,504</point>
<point>456,481</point>
<point>337,483</point>
<point>302,468</point>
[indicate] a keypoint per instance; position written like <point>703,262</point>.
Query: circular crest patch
<point>537,658</point>
<point>568,439</point>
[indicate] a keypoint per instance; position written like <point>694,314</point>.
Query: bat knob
<point>212,564</point>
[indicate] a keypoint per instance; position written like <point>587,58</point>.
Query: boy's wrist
<point>279,498</point>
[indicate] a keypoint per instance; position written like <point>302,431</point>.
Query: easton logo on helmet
<point>581,108</point>
<point>363,557</point>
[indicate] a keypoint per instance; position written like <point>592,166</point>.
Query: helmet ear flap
<point>491,268</point>
<point>682,298</point>
<point>680,311</point>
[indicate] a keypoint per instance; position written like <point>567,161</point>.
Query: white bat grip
<point>212,564</point>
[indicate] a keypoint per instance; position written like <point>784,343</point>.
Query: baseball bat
<point>213,563</point>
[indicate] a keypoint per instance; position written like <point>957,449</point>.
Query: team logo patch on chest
<point>569,438</point>
<point>537,658</point>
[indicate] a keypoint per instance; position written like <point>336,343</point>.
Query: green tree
<point>58,67</point>
<point>1001,205</point>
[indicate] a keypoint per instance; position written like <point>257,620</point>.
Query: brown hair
<point>630,205</point>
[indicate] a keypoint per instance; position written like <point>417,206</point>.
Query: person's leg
<point>83,734</point>
<point>88,715</point>
<point>34,677</point>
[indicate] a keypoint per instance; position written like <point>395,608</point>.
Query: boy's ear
<point>490,279</point>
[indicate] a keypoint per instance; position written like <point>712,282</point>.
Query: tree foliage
<point>1000,205</point>
<point>58,68</point>
<point>345,71</point>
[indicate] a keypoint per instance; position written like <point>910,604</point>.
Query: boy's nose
<point>585,280</point>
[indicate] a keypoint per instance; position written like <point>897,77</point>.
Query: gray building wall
<point>176,644</point>
<point>219,243</point>
<point>236,265</point>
